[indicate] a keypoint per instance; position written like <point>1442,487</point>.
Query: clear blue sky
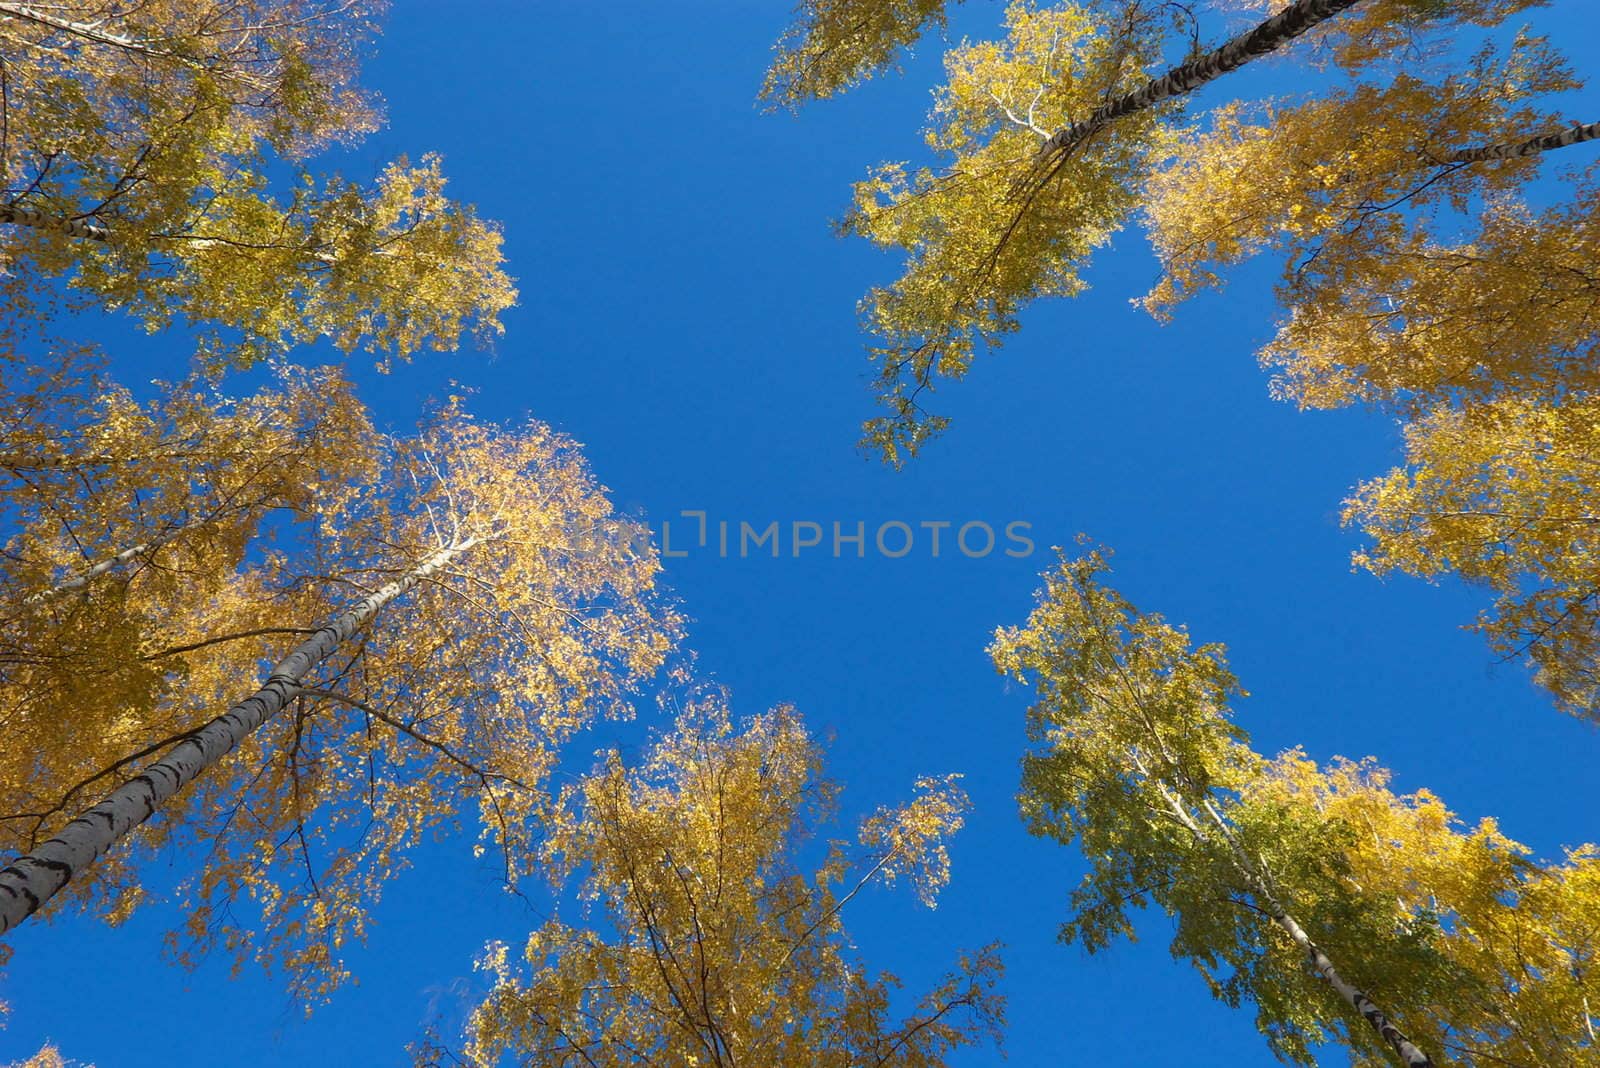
<point>687,315</point>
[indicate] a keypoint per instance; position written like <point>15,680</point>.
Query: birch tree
<point>1046,143</point>
<point>128,520</point>
<point>1416,275</point>
<point>1417,278</point>
<point>1341,911</point>
<point>1511,939</point>
<point>710,944</point>
<point>140,160</point>
<point>443,622</point>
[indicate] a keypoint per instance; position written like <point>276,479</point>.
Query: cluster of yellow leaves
<point>393,270</point>
<point>1422,323</point>
<point>1505,493</point>
<point>48,1057</point>
<point>911,839</point>
<point>833,44</point>
<point>161,123</point>
<point>1482,955</point>
<point>1318,180</point>
<point>1363,189</point>
<point>1513,943</point>
<point>128,522</point>
<point>983,237</point>
<point>1091,654</point>
<point>160,556</point>
<point>1483,342</point>
<point>715,948</point>
<point>996,225</point>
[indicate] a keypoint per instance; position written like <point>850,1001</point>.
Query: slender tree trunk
<point>32,880</point>
<point>1575,134</point>
<point>146,49</point>
<point>88,575</point>
<point>144,548</point>
<point>18,215</point>
<point>20,461</point>
<point>1267,37</point>
<point>1409,1054</point>
<point>85,31</point>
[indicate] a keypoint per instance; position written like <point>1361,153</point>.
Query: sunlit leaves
<point>987,233</point>
<point>833,44</point>
<point>1505,494</point>
<point>171,126</point>
<point>712,945</point>
<point>259,521</point>
<point>1476,950</point>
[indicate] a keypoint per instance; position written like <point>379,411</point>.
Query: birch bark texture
<point>1262,39</point>
<point>22,215</point>
<point>33,879</point>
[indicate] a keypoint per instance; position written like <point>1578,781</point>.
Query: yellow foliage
<point>48,1057</point>
<point>259,521</point>
<point>1506,494</point>
<point>159,125</point>
<point>983,235</point>
<point>1480,954</point>
<point>1515,940</point>
<point>834,44</point>
<point>715,948</point>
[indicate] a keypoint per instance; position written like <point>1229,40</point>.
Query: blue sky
<point>687,314</point>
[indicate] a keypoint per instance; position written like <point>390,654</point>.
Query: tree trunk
<point>85,31</point>
<point>88,575</point>
<point>1575,134</point>
<point>1409,1054</point>
<point>144,548</point>
<point>18,215</point>
<point>94,34</point>
<point>32,880</point>
<point>1269,36</point>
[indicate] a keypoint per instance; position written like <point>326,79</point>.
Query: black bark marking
<point>1269,36</point>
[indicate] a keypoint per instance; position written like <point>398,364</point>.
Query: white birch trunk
<point>95,34</point>
<point>31,880</point>
<point>88,575</point>
<point>1409,1054</point>
<point>128,555</point>
<point>18,215</point>
<point>1575,134</point>
<point>82,30</point>
<point>1266,37</point>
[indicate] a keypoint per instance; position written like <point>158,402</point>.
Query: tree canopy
<point>159,159</point>
<point>713,939</point>
<point>1341,911</point>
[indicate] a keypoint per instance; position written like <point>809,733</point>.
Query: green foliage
<point>1135,756</point>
